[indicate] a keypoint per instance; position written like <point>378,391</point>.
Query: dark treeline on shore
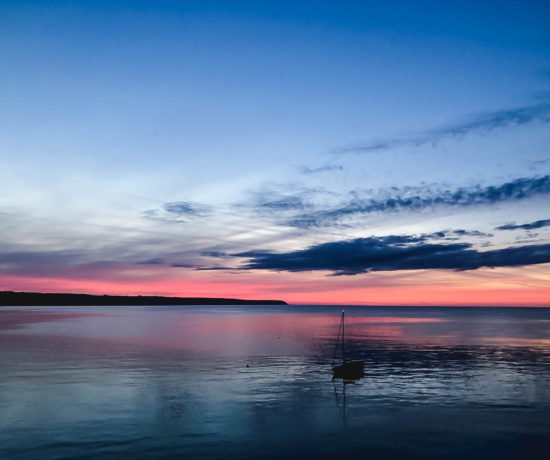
<point>10,298</point>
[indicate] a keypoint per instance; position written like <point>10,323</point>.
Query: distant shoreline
<point>38,299</point>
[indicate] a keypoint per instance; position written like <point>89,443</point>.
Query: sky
<point>318,152</point>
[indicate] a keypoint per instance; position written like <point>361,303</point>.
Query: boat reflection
<point>340,397</point>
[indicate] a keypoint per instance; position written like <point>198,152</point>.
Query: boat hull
<point>351,370</point>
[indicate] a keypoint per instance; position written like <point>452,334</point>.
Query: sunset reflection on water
<point>172,381</point>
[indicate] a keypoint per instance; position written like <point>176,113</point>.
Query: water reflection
<point>167,382</point>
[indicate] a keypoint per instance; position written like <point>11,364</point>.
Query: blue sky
<point>171,131</point>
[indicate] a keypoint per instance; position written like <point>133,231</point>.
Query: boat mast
<point>343,340</point>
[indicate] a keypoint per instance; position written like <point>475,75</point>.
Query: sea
<point>256,381</point>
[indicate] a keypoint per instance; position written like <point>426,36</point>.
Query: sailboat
<point>348,370</point>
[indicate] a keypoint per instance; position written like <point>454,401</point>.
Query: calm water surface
<point>165,382</point>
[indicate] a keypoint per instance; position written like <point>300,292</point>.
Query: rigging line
<point>337,341</point>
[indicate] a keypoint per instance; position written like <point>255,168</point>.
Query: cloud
<point>214,254</point>
<point>321,169</point>
<point>183,265</point>
<point>418,198</point>
<point>42,259</point>
<point>537,164</point>
<point>480,124</point>
<point>185,208</point>
<point>391,253</point>
<point>153,261</point>
<point>450,235</point>
<point>529,226</point>
<point>74,264</point>
<point>176,212</point>
<point>283,204</point>
<point>461,232</point>
<point>215,268</point>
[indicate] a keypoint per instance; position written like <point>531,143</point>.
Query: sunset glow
<point>364,154</point>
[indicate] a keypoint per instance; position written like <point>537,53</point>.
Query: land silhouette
<point>10,298</point>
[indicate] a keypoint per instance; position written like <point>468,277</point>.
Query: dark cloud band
<point>529,226</point>
<point>393,253</point>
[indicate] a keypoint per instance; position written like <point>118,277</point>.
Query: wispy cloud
<point>480,124</point>
<point>186,208</point>
<point>183,265</point>
<point>214,254</point>
<point>176,212</point>
<point>462,232</point>
<point>418,198</point>
<point>391,253</point>
<point>320,169</point>
<point>216,268</point>
<point>38,259</point>
<point>528,226</point>
<point>283,204</point>
<point>537,164</point>
<point>153,261</point>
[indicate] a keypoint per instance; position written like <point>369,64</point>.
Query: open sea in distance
<point>256,381</point>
